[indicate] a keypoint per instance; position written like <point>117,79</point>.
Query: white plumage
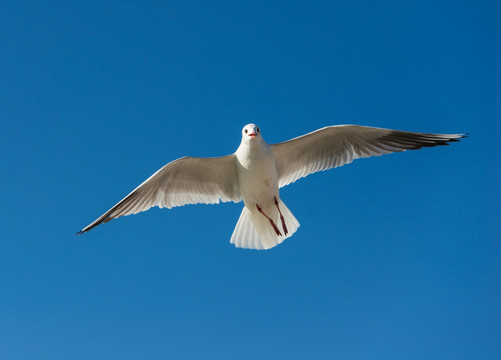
<point>256,171</point>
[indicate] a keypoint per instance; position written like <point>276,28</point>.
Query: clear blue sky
<point>397,257</point>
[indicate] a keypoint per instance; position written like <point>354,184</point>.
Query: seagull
<point>257,170</point>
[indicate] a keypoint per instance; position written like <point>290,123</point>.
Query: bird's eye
<point>246,131</point>
<point>258,130</point>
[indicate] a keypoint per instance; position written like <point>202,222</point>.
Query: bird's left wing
<point>335,146</point>
<point>188,180</point>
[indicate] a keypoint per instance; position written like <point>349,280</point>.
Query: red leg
<point>270,220</point>
<point>281,217</point>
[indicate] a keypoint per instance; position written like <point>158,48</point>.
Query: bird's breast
<point>257,178</point>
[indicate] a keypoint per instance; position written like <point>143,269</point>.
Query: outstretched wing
<point>335,146</point>
<point>187,180</point>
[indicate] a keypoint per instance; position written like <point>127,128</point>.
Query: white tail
<point>254,231</point>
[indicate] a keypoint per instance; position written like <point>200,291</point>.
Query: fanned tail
<point>254,231</point>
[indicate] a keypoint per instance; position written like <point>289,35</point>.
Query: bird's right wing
<point>335,146</point>
<point>188,180</point>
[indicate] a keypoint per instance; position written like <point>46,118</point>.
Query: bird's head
<point>250,133</point>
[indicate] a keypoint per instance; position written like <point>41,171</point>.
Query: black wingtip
<point>459,137</point>
<point>79,233</point>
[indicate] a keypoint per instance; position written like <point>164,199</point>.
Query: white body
<point>257,173</point>
<point>258,181</point>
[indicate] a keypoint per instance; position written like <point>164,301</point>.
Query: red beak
<point>253,134</point>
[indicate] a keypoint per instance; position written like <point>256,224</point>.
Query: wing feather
<point>334,146</point>
<point>188,180</point>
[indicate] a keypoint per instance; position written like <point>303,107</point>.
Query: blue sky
<point>397,257</point>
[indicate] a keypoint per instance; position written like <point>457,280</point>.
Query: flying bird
<point>256,172</point>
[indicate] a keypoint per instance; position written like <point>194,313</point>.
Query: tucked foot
<point>281,217</point>
<point>275,227</point>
